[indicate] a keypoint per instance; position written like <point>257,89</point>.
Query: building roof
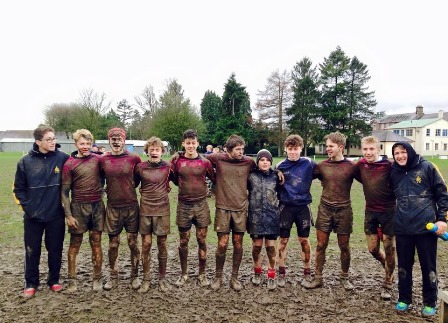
<point>413,123</point>
<point>389,136</point>
<point>394,118</point>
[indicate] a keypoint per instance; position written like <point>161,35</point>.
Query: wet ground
<point>195,304</point>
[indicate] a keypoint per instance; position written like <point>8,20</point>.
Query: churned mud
<point>192,303</point>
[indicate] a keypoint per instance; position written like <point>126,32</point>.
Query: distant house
<point>387,139</point>
<point>430,136</point>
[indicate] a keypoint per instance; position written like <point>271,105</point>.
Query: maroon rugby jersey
<point>120,183</point>
<point>154,187</point>
<point>190,176</point>
<point>83,176</point>
<point>337,178</point>
<point>231,180</point>
<point>375,183</point>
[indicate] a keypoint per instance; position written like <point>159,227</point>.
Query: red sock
<point>307,271</point>
<point>271,273</point>
<point>282,270</point>
<point>257,270</point>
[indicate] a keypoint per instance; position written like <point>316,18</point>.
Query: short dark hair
<point>40,131</point>
<point>233,141</point>
<point>190,134</point>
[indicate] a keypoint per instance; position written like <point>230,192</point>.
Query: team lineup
<point>257,197</point>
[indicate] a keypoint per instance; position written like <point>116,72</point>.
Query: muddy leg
<point>373,244</point>
<point>73,250</point>
<point>97,254</point>
<point>183,250</point>
<point>201,236</point>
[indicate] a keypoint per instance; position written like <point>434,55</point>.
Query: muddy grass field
<point>331,303</point>
<point>195,304</point>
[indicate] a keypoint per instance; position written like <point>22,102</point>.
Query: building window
<point>427,146</point>
<point>436,146</point>
<point>402,132</point>
<point>444,132</point>
<point>437,132</point>
<point>428,132</point>
<point>381,146</point>
<point>445,146</point>
<point>409,132</point>
<point>396,131</point>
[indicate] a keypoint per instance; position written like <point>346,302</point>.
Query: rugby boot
<point>281,280</point>
<point>203,281</point>
<point>182,280</point>
<point>272,284</point>
<point>163,285</point>
<point>72,285</point>
<point>235,284</point>
<point>135,283</point>
<point>111,284</point>
<point>144,287</point>
<point>306,279</point>
<point>256,279</point>
<point>317,281</point>
<point>97,285</point>
<point>217,283</point>
<point>346,284</point>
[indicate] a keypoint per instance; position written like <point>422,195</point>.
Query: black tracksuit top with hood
<point>420,191</point>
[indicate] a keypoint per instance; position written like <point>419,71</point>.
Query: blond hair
<point>83,133</point>
<point>153,141</point>
<point>370,140</point>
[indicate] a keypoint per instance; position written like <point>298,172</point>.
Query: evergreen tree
<point>304,110</point>
<point>211,109</point>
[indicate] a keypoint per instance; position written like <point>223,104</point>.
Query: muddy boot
<point>306,280</point>
<point>144,287</point>
<point>112,283</point>
<point>235,284</point>
<point>72,285</point>
<point>182,280</point>
<point>281,281</point>
<point>386,291</point>
<point>256,279</point>
<point>272,284</point>
<point>135,283</point>
<point>346,283</point>
<point>97,285</point>
<point>203,281</point>
<point>217,283</point>
<point>163,285</point>
<point>317,281</point>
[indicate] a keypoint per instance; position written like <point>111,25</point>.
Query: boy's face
<point>264,164</point>
<point>237,152</point>
<point>190,145</point>
<point>370,152</point>
<point>401,156</point>
<point>83,145</point>
<point>333,150</point>
<point>293,152</point>
<point>154,153</point>
<point>116,144</point>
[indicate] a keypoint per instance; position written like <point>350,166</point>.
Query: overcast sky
<point>52,50</point>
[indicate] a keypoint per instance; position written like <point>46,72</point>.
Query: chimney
<point>419,111</point>
<point>440,114</point>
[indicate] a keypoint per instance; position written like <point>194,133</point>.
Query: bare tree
<point>147,101</point>
<point>271,104</point>
<point>91,100</point>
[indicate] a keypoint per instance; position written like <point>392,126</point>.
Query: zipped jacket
<point>37,184</point>
<point>420,191</point>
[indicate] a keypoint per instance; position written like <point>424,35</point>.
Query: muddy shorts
<point>193,213</point>
<point>159,225</point>
<point>121,217</point>
<point>373,220</point>
<point>90,216</point>
<point>226,221</point>
<point>338,220</point>
<point>300,215</point>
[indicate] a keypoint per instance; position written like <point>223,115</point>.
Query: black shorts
<point>300,215</point>
<point>373,220</point>
<point>264,236</point>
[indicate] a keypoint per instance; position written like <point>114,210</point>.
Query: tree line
<point>311,100</point>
